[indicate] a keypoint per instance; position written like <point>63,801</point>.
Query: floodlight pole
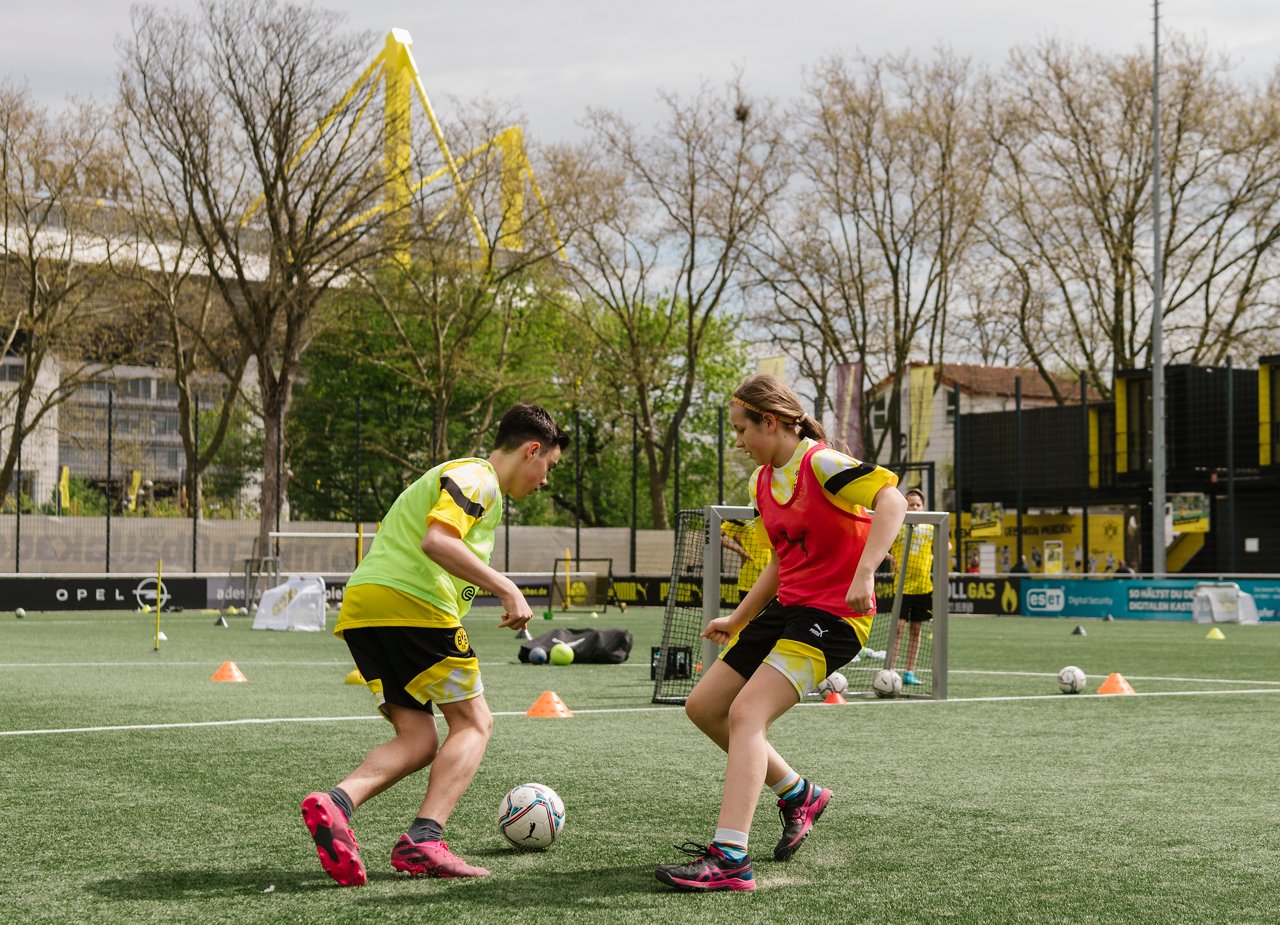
<point>1158,544</point>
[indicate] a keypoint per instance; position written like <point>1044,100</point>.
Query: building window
<point>880,413</point>
<point>166,390</point>
<point>953,406</point>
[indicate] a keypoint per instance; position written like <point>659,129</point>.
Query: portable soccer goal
<point>718,555</point>
<point>581,584</point>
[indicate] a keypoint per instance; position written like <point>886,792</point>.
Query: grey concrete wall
<point>79,545</point>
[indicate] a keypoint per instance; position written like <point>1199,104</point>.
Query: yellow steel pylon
<point>397,71</point>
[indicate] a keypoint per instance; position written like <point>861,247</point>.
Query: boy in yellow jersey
<point>917,586</point>
<point>401,618</point>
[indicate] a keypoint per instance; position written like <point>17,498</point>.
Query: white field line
<point>674,711</point>
<point>253,663</point>
<point>1132,677</point>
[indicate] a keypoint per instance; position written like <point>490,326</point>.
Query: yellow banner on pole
<point>773,366</point>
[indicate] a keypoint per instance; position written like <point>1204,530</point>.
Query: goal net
<point>717,558</point>
<point>581,584</point>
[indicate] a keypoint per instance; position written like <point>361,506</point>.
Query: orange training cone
<point>548,705</point>
<point>228,671</point>
<point>834,697</point>
<point>1115,684</point>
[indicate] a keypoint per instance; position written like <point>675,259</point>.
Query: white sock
<point>733,842</point>
<point>789,780</point>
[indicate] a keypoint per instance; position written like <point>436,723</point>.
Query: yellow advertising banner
<point>1048,536</point>
<point>986,520</point>
<point>1053,557</point>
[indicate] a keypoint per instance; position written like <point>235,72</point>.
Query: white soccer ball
<point>531,816</point>
<point>887,683</point>
<point>1071,680</point>
<point>834,683</point>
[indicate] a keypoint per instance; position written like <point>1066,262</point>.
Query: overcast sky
<point>552,59</point>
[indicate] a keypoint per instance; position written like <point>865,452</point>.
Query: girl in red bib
<point>809,613</point>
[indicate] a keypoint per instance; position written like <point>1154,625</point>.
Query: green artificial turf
<point>1008,803</point>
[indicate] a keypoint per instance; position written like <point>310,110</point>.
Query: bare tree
<point>1071,216</point>
<point>162,263</point>
<point>54,246</point>
<point>663,224</point>
<point>465,314</point>
<point>865,267</point>
<point>243,123</point>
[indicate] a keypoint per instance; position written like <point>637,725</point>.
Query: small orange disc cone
<point>228,671</point>
<point>1115,684</point>
<point>548,705</point>
<point>834,697</point>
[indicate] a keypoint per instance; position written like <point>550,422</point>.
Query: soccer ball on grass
<point>531,817</point>
<point>887,683</point>
<point>1071,680</point>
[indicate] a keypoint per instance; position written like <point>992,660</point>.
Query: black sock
<point>339,796</point>
<point>425,830</point>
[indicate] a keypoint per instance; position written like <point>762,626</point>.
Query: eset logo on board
<point>1046,600</point>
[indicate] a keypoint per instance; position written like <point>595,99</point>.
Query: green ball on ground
<point>561,654</point>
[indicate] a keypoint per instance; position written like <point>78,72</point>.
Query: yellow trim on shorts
<point>800,663</point>
<point>379,699</point>
<point>429,685</point>
<point>861,627</point>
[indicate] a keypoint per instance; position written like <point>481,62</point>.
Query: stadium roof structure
<point>395,70</point>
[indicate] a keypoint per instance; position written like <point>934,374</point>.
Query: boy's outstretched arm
<point>444,545</point>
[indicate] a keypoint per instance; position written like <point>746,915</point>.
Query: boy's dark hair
<point>525,422</point>
<point>913,491</point>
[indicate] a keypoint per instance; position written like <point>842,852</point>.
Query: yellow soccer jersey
<point>462,493</point>
<point>757,556</point>
<point>919,578</point>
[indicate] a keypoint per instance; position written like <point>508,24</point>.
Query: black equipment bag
<point>602,646</point>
